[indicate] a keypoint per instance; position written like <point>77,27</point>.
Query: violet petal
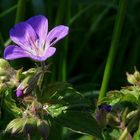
<point>19,92</point>
<point>56,34</point>
<point>40,25</point>
<point>49,52</point>
<point>23,34</point>
<point>13,52</point>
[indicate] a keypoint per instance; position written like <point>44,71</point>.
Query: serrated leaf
<point>64,93</point>
<point>81,122</point>
<point>56,110</point>
<point>113,97</point>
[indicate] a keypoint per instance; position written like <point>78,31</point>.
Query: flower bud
<point>43,128</point>
<point>4,64</point>
<point>131,78</point>
<point>137,75</point>
<point>101,114</point>
<point>7,75</point>
<point>22,87</point>
<point>134,78</point>
<point>30,125</point>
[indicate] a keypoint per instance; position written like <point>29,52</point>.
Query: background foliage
<point>81,57</point>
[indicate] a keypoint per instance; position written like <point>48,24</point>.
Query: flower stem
<point>113,49</point>
<point>8,11</point>
<point>127,129</point>
<point>28,136</point>
<point>133,121</point>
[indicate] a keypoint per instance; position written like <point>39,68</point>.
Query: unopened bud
<point>43,128</point>
<point>4,64</point>
<point>137,75</point>
<point>7,74</point>
<point>101,114</point>
<point>131,78</point>
<point>30,125</point>
<point>22,87</point>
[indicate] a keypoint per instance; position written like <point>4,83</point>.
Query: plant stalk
<point>113,49</point>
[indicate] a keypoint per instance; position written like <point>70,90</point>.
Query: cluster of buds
<point>134,78</point>
<point>101,114</point>
<point>7,75</point>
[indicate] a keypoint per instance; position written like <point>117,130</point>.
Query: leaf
<point>113,97</point>
<point>9,104</point>
<point>63,93</point>
<point>81,122</point>
<point>70,109</point>
<point>129,94</point>
<point>20,125</point>
<point>15,126</point>
<point>137,134</point>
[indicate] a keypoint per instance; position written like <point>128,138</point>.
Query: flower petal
<point>56,34</point>
<point>40,25</point>
<point>49,52</point>
<point>13,52</point>
<point>23,34</point>
<point>19,92</point>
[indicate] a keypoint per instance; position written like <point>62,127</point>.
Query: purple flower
<point>101,113</point>
<point>106,108</point>
<point>33,39</point>
<point>19,92</point>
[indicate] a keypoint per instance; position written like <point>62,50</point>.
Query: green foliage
<point>9,104</point>
<point>70,109</point>
<point>137,134</point>
<point>129,94</point>
<point>80,59</point>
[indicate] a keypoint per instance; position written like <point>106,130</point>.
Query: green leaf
<point>129,94</point>
<point>9,104</point>
<point>70,109</point>
<point>137,134</point>
<point>15,126</point>
<point>113,97</point>
<point>81,122</point>
<point>63,93</point>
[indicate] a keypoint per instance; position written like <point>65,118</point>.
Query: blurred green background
<point>81,57</point>
<point>86,48</point>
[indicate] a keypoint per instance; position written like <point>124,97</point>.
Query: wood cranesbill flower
<point>33,39</point>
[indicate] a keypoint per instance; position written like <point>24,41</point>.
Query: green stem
<point>19,15</point>
<point>63,58</point>
<point>8,11</point>
<point>127,129</point>
<point>113,49</point>
<point>28,136</point>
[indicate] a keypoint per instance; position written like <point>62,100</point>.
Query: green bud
<point>7,75</point>
<point>131,78</point>
<point>134,78</point>
<point>4,64</point>
<point>137,75</point>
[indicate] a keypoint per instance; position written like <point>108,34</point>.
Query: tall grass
<point>113,49</point>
